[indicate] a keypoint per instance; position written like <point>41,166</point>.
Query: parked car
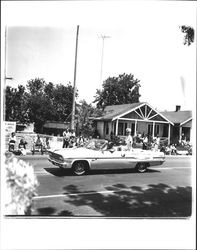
<point>97,155</point>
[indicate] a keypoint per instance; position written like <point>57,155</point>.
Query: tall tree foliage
<point>84,113</point>
<point>189,34</point>
<point>118,90</point>
<point>62,102</point>
<point>16,108</point>
<point>49,102</point>
<point>38,102</point>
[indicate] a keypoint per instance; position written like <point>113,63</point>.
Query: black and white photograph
<point>98,124</point>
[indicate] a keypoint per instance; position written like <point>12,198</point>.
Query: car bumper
<point>157,161</point>
<point>59,164</point>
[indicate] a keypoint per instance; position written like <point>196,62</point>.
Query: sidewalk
<point>177,156</point>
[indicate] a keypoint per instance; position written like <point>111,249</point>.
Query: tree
<point>37,102</point>
<point>118,90</point>
<point>189,34</point>
<point>84,123</point>
<point>16,104</point>
<point>62,102</point>
<point>48,102</point>
<point>84,112</point>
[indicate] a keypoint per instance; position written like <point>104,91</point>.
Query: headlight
<point>56,157</point>
<point>61,158</point>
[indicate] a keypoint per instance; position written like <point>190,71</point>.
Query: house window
<point>114,129</point>
<point>157,129</point>
<point>132,129</point>
<point>150,129</point>
<point>120,128</point>
<point>106,128</point>
<point>165,130</point>
<point>125,127</point>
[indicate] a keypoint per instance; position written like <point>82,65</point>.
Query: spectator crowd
<point>144,141</point>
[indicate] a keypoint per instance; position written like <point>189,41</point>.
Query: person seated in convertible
<point>108,146</point>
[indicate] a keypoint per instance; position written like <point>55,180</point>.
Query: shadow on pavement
<point>67,172</point>
<point>121,201</point>
<point>59,172</point>
<point>46,210</point>
<point>49,211</point>
<point>155,201</point>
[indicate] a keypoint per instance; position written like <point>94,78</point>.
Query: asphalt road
<point>163,191</point>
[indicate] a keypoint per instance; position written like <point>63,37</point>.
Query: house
<point>182,121</point>
<point>142,118</point>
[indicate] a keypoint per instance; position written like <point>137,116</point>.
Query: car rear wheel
<point>79,167</point>
<point>141,167</point>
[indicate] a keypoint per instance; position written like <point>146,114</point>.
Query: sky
<point>144,39</point>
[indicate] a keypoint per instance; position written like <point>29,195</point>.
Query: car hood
<point>74,152</point>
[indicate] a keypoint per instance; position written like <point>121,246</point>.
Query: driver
<point>104,146</point>
<point>108,146</point>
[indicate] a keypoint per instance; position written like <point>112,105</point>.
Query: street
<point>163,191</point>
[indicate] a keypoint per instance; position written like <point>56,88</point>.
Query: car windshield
<point>96,144</point>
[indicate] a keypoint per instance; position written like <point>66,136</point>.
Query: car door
<point>110,160</point>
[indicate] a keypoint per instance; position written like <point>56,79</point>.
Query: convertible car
<point>98,155</point>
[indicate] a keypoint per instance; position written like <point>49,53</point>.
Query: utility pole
<point>74,84</point>
<point>5,60</point>
<point>5,56</point>
<point>102,56</point>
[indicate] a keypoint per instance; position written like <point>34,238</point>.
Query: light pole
<point>102,56</point>
<point>5,61</point>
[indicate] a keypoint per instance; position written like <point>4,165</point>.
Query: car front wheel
<point>141,167</point>
<point>79,167</point>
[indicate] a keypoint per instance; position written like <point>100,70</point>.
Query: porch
<point>140,117</point>
<point>138,128</point>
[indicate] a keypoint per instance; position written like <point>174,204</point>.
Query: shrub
<point>20,186</point>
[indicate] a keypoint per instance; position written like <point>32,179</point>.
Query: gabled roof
<point>178,116</point>
<point>114,110</point>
